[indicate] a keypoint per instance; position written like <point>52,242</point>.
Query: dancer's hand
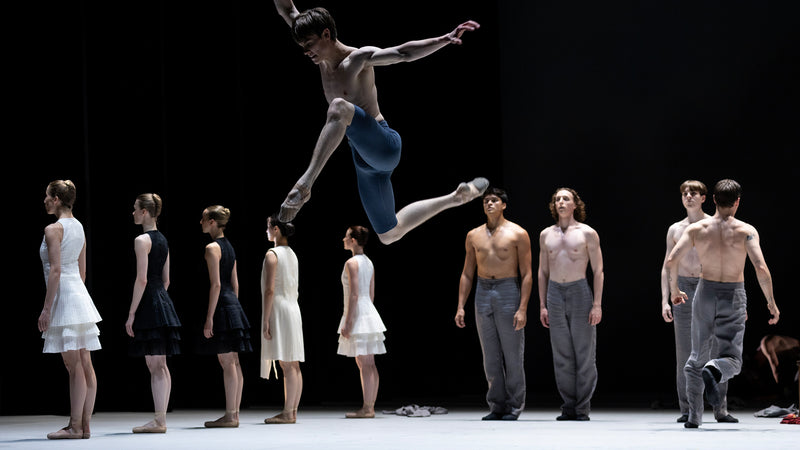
<point>776,314</point>
<point>44,320</point>
<point>208,329</point>
<point>129,325</point>
<point>679,298</point>
<point>544,318</point>
<point>595,315</point>
<point>267,334</point>
<point>460,318</point>
<point>520,320</point>
<point>454,37</point>
<point>666,312</point>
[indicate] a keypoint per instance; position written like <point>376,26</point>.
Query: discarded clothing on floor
<point>417,411</point>
<point>791,418</point>
<point>776,411</point>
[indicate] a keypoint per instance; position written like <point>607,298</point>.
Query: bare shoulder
<point>476,232</point>
<point>519,232</point>
<point>545,232</point>
<point>587,230</point>
<point>142,239</point>
<point>53,229</point>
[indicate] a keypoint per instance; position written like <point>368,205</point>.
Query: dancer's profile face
<point>271,231</point>
<point>348,240</point>
<point>49,203</point>
<point>138,214</point>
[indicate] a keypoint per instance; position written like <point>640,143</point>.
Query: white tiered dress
<point>73,316</point>
<point>366,337</point>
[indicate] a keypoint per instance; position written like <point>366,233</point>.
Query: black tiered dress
<point>231,327</point>
<point>156,325</point>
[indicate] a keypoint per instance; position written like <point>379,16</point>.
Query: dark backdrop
<point>212,103</point>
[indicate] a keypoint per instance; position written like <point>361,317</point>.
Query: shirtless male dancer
<point>693,195</point>
<point>501,251</point>
<point>723,243</point>
<point>348,80</point>
<point>567,305</point>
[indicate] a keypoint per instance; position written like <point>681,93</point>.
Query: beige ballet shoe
<point>466,192</point>
<point>153,426</point>
<point>298,196</point>
<point>279,419</point>
<point>65,433</point>
<point>224,421</point>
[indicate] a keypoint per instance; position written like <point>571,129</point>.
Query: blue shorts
<point>376,152</point>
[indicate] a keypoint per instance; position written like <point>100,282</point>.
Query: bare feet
<point>151,427</point>
<point>225,421</point>
<point>284,417</point>
<point>363,413</point>
<point>467,192</point>
<point>297,197</point>
<point>65,433</point>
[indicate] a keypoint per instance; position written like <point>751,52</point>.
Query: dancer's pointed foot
<point>363,413</point>
<point>467,192</point>
<point>297,197</point>
<point>151,427</point>
<point>65,433</point>
<point>283,417</point>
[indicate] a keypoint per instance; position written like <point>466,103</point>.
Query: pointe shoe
<point>472,190</point>
<point>298,196</point>
<point>64,433</point>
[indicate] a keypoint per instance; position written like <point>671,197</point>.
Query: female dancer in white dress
<point>68,321</point>
<point>281,323</point>
<point>361,328</point>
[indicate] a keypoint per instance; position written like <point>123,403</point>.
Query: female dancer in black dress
<point>152,321</point>
<point>226,328</point>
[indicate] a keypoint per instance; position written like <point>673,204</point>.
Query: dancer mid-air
<point>348,79</point>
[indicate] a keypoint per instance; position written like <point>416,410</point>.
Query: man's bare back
<point>497,251</point>
<point>567,251</point>
<point>721,246</point>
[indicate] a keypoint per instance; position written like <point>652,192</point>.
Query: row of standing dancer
<point>68,320</point>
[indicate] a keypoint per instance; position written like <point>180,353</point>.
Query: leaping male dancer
<point>348,79</point>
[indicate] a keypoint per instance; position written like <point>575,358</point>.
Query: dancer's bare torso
<point>351,79</point>
<point>721,247</point>
<point>567,252</point>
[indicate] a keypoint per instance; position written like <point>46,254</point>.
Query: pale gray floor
<point>326,428</point>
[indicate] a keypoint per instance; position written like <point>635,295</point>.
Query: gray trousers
<point>496,302</point>
<point>718,313</point>
<point>682,316</point>
<point>574,342</point>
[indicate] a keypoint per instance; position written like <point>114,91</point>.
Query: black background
<point>212,103</point>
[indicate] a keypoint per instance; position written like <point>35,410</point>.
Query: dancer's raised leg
<point>340,114</point>
<point>418,212</point>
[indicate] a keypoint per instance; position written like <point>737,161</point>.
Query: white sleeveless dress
<point>285,322</point>
<point>73,316</point>
<point>366,337</point>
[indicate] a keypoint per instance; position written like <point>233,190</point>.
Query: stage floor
<point>326,428</point>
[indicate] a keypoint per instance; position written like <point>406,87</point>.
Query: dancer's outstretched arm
<point>287,10</point>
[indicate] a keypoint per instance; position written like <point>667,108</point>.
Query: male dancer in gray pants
<point>723,243</point>
<point>566,303</point>
<point>501,252</point>
<point>693,194</point>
